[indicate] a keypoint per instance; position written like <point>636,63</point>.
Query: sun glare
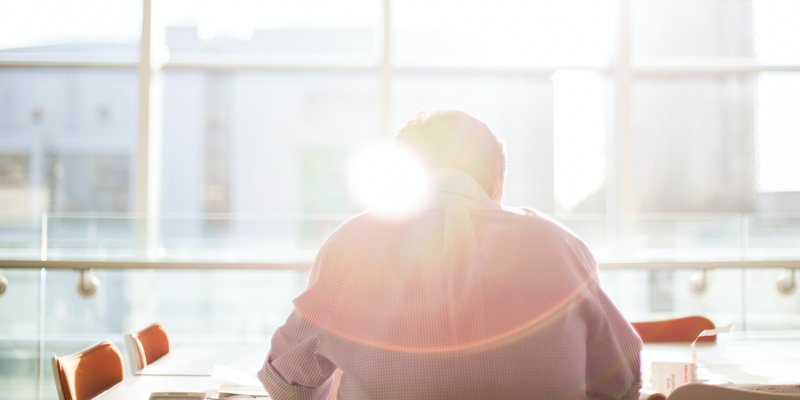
<point>388,179</point>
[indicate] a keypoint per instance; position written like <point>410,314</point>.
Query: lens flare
<point>390,180</point>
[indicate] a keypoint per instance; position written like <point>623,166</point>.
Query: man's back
<point>465,300</point>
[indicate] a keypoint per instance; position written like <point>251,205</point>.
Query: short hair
<point>455,139</point>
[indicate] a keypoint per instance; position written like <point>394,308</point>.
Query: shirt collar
<point>452,187</point>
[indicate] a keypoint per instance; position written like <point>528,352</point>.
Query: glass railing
<point>232,278</point>
<point>695,237</point>
<point>44,313</point>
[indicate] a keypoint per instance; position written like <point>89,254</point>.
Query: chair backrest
<point>86,374</point>
<point>147,345</point>
<point>683,329</point>
<point>702,391</point>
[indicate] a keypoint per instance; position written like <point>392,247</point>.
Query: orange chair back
<point>683,329</point>
<point>86,374</point>
<point>151,343</point>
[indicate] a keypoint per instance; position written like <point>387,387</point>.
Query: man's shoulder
<point>521,211</point>
<point>363,224</point>
<point>538,220</point>
<point>529,215</point>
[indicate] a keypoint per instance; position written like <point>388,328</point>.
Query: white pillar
<point>147,206</point>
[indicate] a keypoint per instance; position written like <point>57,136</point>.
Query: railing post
<point>786,282</point>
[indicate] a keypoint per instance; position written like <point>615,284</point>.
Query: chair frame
<point>57,378</point>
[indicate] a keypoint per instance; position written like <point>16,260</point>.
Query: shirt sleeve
<point>294,368</point>
<point>613,351</point>
<point>613,348</point>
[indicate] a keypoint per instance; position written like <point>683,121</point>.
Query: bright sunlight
<point>390,180</point>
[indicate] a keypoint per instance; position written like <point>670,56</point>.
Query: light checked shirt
<point>468,299</point>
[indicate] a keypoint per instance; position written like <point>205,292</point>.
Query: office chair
<point>683,329</point>
<point>702,391</point>
<point>147,345</point>
<point>86,374</point>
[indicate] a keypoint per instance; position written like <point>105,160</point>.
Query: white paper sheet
<point>233,381</point>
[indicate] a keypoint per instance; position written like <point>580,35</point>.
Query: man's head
<point>455,139</point>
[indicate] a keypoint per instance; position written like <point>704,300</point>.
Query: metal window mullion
<point>386,69</point>
<point>148,151</point>
<point>619,200</point>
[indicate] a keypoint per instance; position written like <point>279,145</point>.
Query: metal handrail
<point>302,265</point>
<point>181,265</point>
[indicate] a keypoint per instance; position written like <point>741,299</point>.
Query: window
<point>778,131</point>
<point>658,130</point>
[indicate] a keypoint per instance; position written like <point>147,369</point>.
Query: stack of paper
<point>235,382</point>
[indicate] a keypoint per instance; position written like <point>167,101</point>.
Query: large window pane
<point>75,27</point>
<point>67,145</point>
<point>278,30</point>
<point>20,205</point>
<point>778,131</point>
<point>580,141</point>
<point>506,32</point>
<point>696,28</point>
<point>776,27</point>
<point>692,144</point>
<point>269,145</point>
